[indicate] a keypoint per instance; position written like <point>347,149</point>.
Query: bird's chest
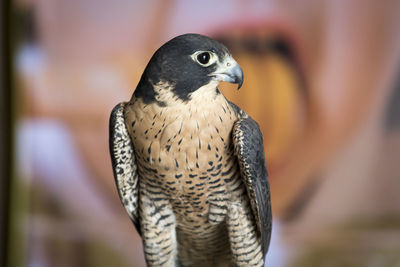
<point>183,151</point>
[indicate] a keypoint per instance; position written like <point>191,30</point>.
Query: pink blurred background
<point>321,78</point>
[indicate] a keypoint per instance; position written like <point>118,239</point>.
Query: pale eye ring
<point>204,58</point>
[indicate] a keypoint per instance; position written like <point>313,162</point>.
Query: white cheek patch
<point>164,93</point>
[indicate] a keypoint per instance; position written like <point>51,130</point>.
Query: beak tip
<point>239,79</point>
<point>240,85</point>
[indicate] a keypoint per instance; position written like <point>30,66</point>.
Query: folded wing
<point>124,164</point>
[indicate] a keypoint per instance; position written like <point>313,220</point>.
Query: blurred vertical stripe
<point>5,127</point>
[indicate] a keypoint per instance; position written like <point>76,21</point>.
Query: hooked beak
<point>229,71</point>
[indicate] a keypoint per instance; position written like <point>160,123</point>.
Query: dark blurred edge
<point>392,122</point>
<point>6,129</point>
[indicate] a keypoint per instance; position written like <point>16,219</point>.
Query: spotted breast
<point>186,167</point>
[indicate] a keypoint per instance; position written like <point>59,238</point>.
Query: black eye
<point>203,58</point>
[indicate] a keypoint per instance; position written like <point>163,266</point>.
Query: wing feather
<point>124,164</point>
<point>249,149</point>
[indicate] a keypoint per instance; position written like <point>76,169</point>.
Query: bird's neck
<point>163,94</point>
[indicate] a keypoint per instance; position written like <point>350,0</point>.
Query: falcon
<point>188,164</point>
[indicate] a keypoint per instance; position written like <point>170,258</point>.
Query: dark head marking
<point>185,63</point>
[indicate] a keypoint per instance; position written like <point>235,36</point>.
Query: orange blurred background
<point>321,78</point>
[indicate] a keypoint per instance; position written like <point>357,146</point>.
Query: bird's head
<point>183,65</point>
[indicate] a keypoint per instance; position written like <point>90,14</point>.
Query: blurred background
<point>321,77</point>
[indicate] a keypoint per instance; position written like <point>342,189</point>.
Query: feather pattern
<point>249,149</point>
<point>124,164</point>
